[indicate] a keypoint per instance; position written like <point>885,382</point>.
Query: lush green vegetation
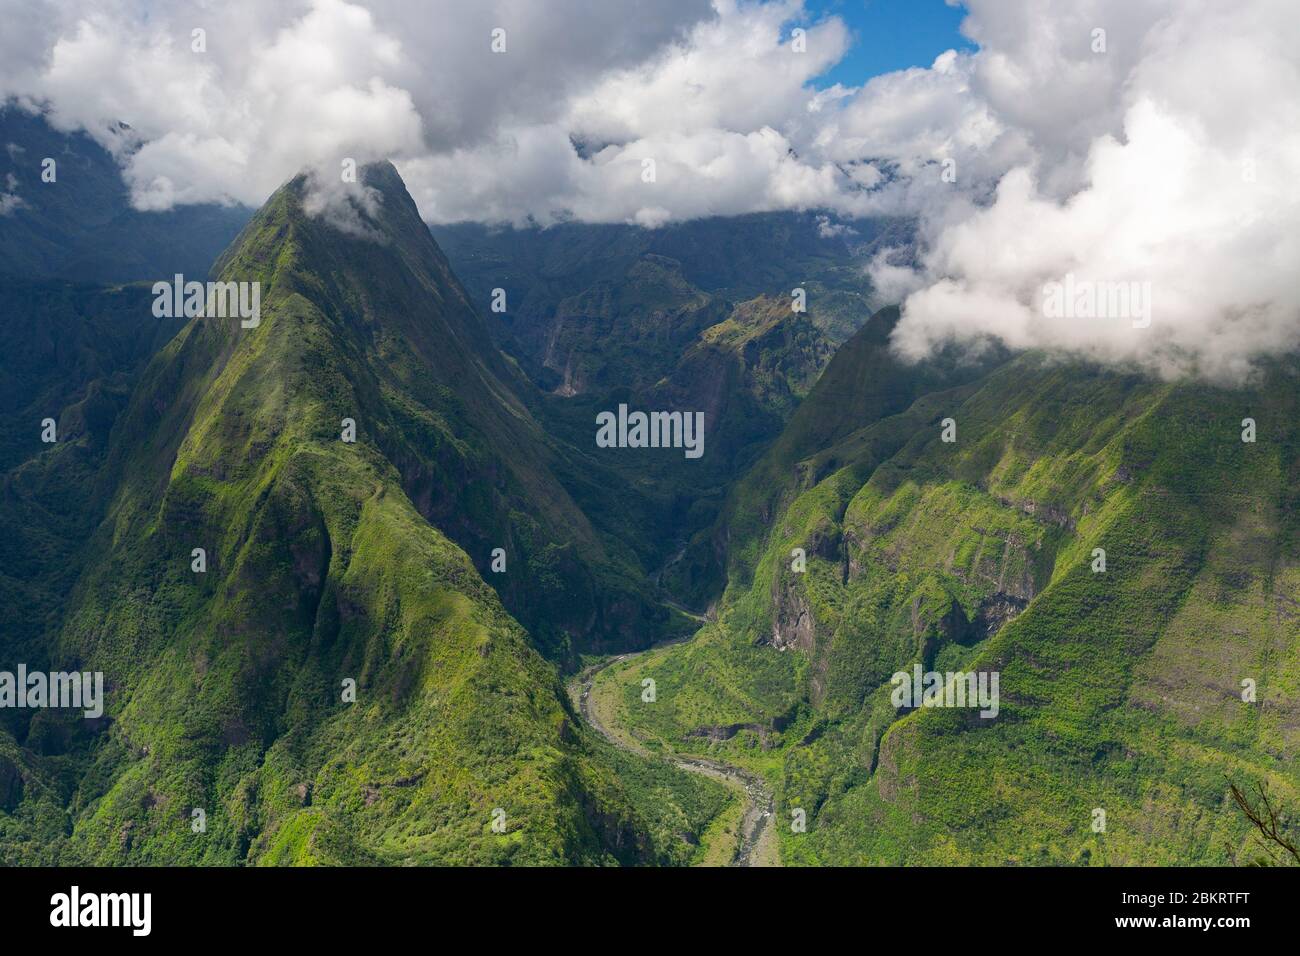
<point>694,316</point>
<point>1120,690</point>
<point>325,565</point>
<point>329,562</point>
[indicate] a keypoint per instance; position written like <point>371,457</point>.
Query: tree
<point>1263,816</point>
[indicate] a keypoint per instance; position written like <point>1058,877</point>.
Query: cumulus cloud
<point>1171,171</point>
<point>231,111</point>
<point>1132,144</point>
<point>271,88</point>
<point>555,123</point>
<point>723,111</point>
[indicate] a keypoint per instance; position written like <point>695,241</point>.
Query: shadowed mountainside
<point>327,568</point>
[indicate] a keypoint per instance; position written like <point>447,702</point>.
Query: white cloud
<point>723,111</point>
<point>283,86</point>
<point>1185,176</point>
<point>736,71</point>
<point>1171,157</point>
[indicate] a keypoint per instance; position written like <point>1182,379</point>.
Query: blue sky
<point>890,35</point>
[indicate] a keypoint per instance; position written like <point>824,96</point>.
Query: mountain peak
<point>356,238</point>
<point>366,202</point>
<point>369,202</point>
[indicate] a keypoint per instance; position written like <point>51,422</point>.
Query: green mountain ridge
<point>325,564</point>
<point>1120,691</point>
<point>745,373</point>
<point>732,258</point>
<point>864,383</point>
<point>833,532</point>
<point>692,317</point>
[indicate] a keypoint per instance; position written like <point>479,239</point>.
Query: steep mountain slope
<point>859,408</point>
<point>325,570</point>
<point>72,355</point>
<point>733,258</point>
<point>693,317</point>
<point>1121,690</point>
<point>471,458</point>
<point>81,225</point>
<point>625,330</point>
<point>745,374</point>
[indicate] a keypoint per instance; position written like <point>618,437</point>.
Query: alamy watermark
<point>947,689</point>
<point>1074,298</point>
<point>651,430</point>
<point>77,690</point>
<point>214,300</point>
<point>130,910</point>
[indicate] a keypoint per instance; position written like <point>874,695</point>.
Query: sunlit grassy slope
<point>1120,690</point>
<point>327,567</point>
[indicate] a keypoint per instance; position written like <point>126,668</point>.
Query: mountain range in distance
<point>458,630</point>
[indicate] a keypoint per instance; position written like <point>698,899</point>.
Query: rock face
<point>978,557</point>
<point>792,619</point>
<point>11,785</point>
<point>692,317</point>
<point>625,331</point>
<point>995,612</point>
